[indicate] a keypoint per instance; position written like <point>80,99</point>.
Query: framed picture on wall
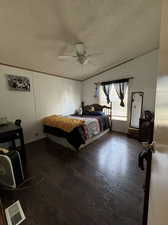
<point>18,83</point>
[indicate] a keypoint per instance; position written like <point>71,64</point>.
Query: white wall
<point>144,70</point>
<point>49,95</point>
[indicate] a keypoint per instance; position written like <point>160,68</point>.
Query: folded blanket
<point>61,122</point>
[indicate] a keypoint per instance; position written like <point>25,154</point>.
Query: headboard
<point>106,109</point>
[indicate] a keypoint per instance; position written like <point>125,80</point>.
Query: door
<point>158,198</point>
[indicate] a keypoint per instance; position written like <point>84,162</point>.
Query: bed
<point>77,131</point>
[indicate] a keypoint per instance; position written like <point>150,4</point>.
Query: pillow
<point>79,111</point>
<point>90,109</point>
<point>96,113</point>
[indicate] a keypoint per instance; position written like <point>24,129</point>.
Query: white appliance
<point>11,172</point>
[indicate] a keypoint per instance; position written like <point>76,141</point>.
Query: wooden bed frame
<point>63,142</point>
<point>106,109</point>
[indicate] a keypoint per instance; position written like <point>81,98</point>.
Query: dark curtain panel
<point>106,89</point>
<point>97,90</point>
<point>116,81</point>
<point>121,90</point>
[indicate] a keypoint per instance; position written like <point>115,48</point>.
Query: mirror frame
<point>142,94</point>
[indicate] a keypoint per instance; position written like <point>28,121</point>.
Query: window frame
<point>116,117</point>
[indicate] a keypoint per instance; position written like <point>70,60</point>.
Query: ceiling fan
<point>81,55</point>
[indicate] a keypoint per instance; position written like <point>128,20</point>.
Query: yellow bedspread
<point>61,122</point>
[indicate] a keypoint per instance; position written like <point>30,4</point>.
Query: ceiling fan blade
<point>66,33</point>
<point>94,54</point>
<point>66,57</point>
<point>93,64</point>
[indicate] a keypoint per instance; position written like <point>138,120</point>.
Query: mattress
<point>92,126</point>
<point>63,141</point>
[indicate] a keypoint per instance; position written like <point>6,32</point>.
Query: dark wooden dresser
<point>146,130</point>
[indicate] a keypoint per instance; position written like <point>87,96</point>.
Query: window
<point>118,112</point>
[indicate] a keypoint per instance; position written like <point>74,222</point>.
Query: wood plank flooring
<point>100,185</point>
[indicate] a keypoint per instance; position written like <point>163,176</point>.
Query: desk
<point>10,132</point>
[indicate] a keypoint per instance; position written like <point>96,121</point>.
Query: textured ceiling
<point>35,32</point>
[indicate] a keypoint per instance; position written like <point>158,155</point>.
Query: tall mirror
<point>136,108</point>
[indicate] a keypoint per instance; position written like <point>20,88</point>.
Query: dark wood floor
<point>100,185</point>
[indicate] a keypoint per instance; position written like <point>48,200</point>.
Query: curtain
<point>106,89</point>
<point>97,90</point>
<point>121,88</point>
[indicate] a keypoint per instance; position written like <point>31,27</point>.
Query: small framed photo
<point>18,83</point>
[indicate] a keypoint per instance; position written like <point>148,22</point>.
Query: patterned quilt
<point>91,126</point>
